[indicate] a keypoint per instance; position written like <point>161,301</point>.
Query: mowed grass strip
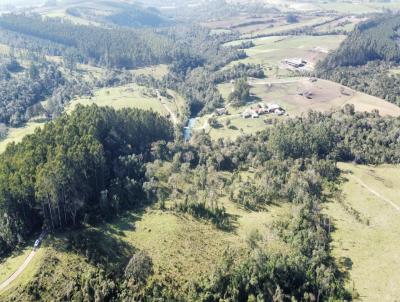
<point>368,247</point>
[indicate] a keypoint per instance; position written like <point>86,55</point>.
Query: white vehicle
<point>37,244</point>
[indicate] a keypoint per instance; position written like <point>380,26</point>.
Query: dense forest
<point>118,47</point>
<point>372,40</point>
<point>363,61</point>
<point>55,177</point>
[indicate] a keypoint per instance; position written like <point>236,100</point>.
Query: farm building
<point>221,111</point>
<point>295,62</point>
<point>261,109</point>
<point>273,107</point>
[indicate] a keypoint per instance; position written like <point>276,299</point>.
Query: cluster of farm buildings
<point>255,111</point>
<point>261,109</point>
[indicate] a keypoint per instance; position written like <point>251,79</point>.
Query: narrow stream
<point>187,131</point>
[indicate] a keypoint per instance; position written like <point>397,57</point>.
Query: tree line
<point>117,47</point>
<point>85,166</point>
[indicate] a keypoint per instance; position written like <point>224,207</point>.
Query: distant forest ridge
<point>120,48</point>
<point>121,14</point>
<point>376,39</point>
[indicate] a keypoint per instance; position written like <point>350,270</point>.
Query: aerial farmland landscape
<point>208,150</point>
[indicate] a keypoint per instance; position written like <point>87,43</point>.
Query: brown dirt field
<point>326,95</point>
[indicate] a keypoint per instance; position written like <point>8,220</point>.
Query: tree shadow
<point>102,245</point>
<point>95,246</point>
<point>126,222</point>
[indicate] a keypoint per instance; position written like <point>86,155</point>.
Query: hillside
<point>200,151</point>
<point>119,13</point>
<point>368,210</point>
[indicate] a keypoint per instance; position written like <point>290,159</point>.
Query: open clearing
<point>368,247</point>
<point>271,51</point>
<point>325,95</point>
<point>267,24</point>
<point>127,96</point>
<point>10,265</point>
<point>17,134</point>
<point>157,71</point>
<point>284,27</point>
<point>346,7</point>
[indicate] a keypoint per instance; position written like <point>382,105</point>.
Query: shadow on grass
<point>20,249</point>
<point>101,245</point>
<point>126,222</point>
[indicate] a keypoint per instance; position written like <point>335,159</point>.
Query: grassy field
<point>17,134</point>
<point>4,49</point>
<point>283,27</point>
<point>325,96</point>
<point>346,24</point>
<point>127,96</point>
<point>11,264</point>
<point>346,7</point>
<point>157,71</point>
<point>181,247</point>
<point>368,247</point>
<point>135,96</point>
<point>270,51</point>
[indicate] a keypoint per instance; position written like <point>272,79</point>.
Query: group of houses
<point>261,109</point>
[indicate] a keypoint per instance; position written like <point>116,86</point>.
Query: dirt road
<point>163,101</point>
<point>377,194</point>
<point>18,271</point>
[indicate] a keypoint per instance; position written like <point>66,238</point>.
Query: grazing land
<point>366,237</point>
<point>128,96</point>
<point>324,95</point>
<point>264,202</point>
<point>132,96</point>
<point>271,51</point>
<point>17,134</point>
<point>182,248</point>
<point>290,94</point>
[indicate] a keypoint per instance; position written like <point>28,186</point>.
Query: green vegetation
<point>240,94</point>
<point>364,59</point>
<point>371,40</point>
<point>15,135</point>
<point>116,47</point>
<point>62,174</point>
<point>136,208</point>
<point>127,96</point>
<point>271,51</point>
<point>365,244</point>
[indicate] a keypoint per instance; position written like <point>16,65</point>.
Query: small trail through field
<point>377,194</point>
<point>18,271</point>
<point>171,113</point>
